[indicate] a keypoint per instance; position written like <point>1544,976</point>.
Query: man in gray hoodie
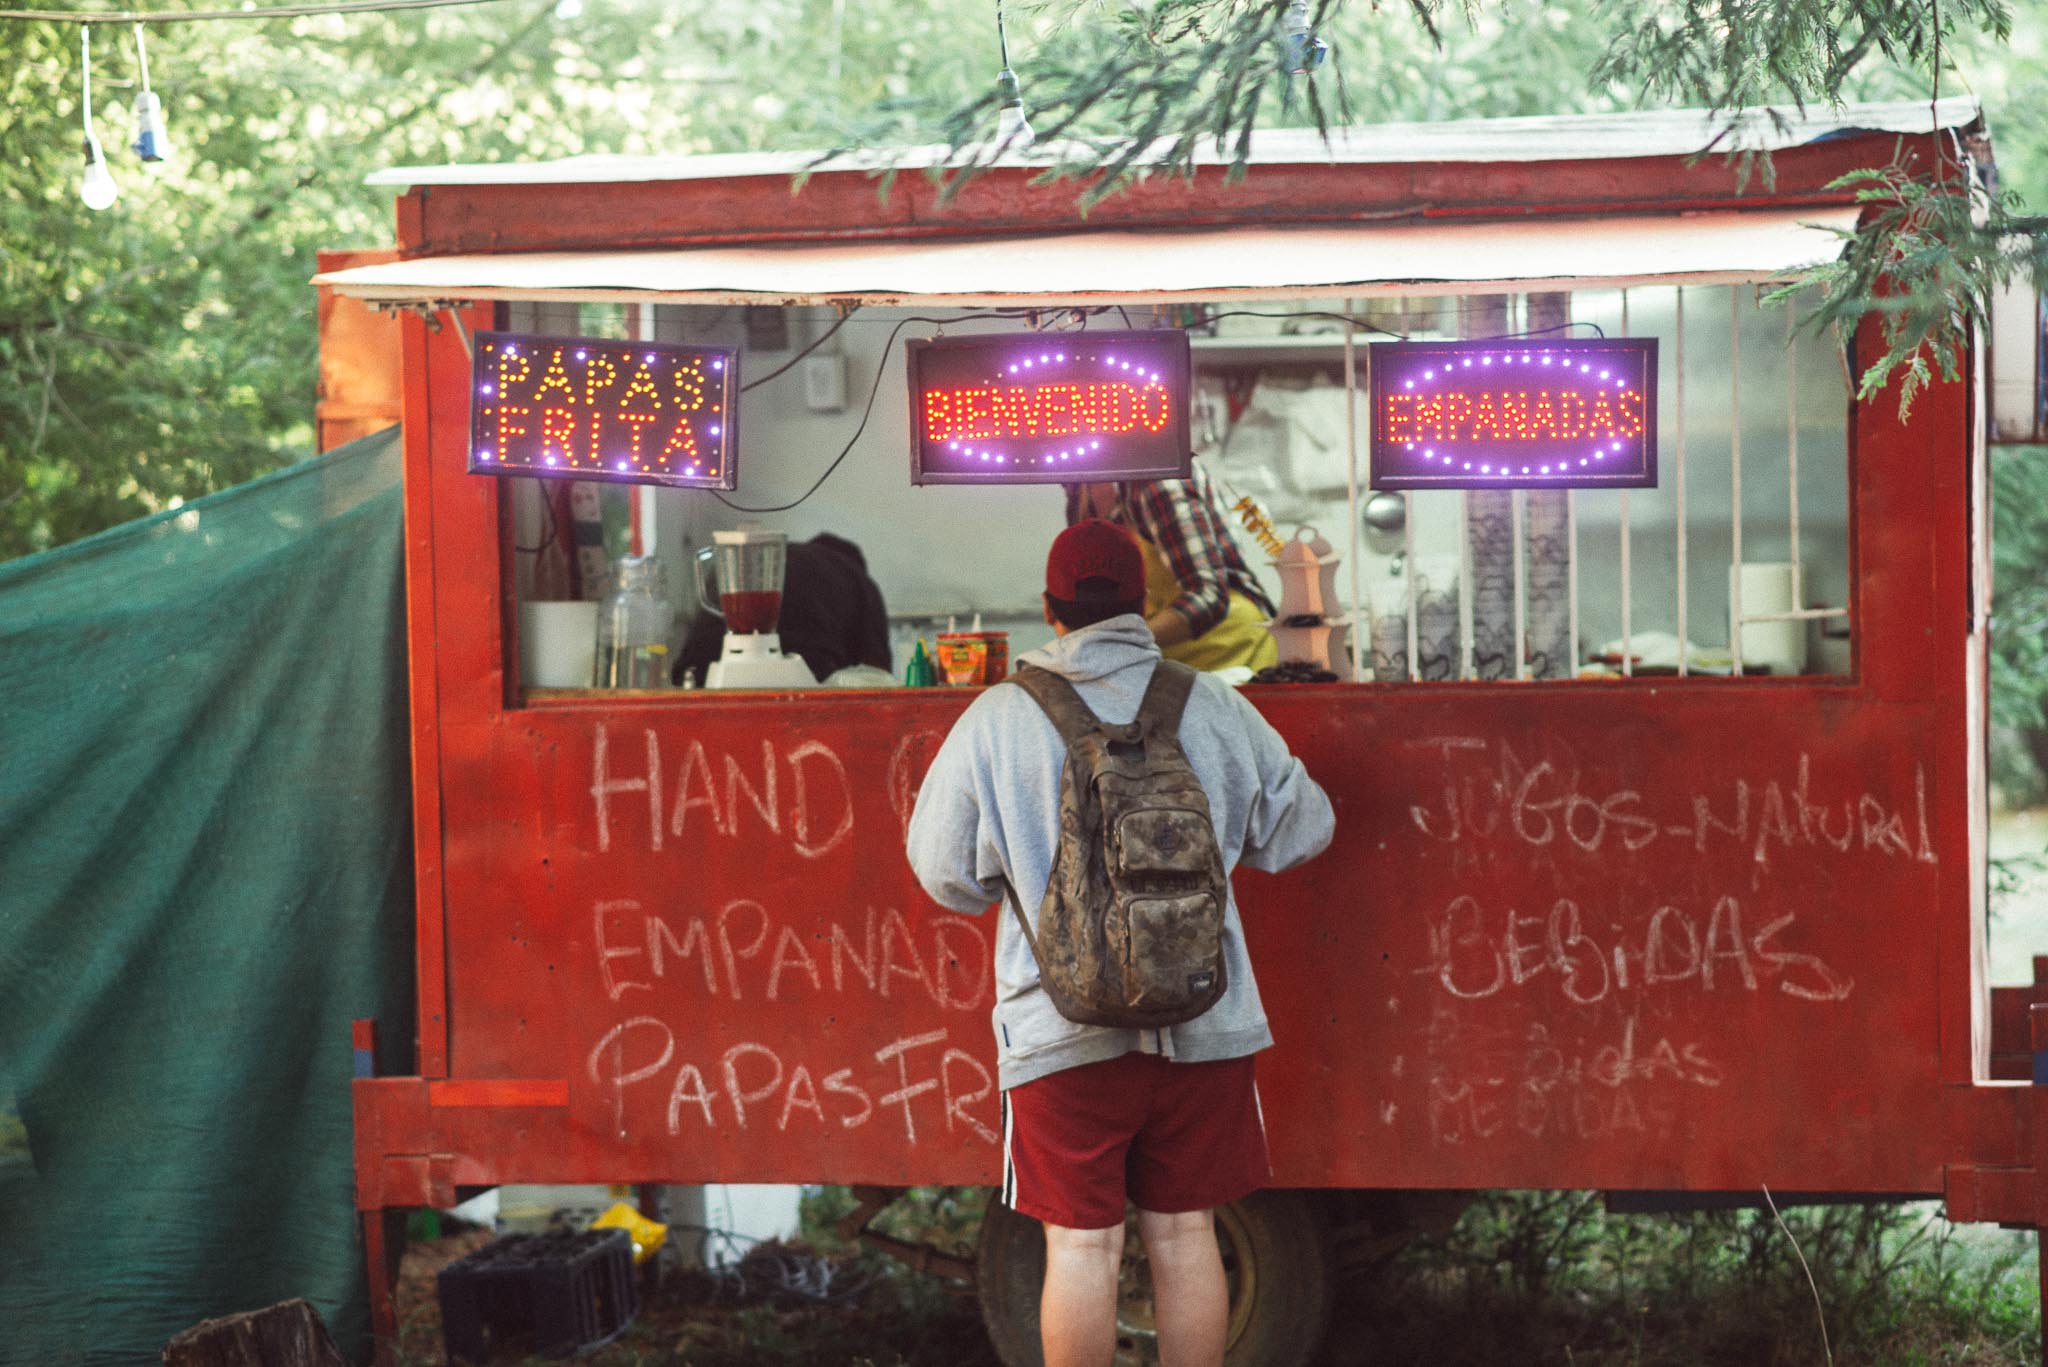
<point>1092,1115</point>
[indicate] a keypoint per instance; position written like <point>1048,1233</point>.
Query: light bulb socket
<point>152,143</point>
<point>1013,129</point>
<point>1305,52</point>
<point>1302,52</point>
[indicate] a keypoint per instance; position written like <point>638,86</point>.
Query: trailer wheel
<point>1275,1259</point>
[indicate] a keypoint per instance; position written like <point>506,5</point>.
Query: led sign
<point>1515,413</point>
<point>1048,408</point>
<point>598,409</point>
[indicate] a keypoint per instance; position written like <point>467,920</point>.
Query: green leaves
<point>1146,92</point>
<point>165,348</point>
<point>1730,55</point>
<point>1925,261</point>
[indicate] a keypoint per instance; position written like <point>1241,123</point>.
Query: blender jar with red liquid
<point>742,571</point>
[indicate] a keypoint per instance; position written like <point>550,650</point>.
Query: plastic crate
<point>550,1294</point>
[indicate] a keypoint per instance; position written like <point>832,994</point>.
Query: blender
<point>745,578</point>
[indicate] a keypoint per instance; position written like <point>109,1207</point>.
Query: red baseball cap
<point>1097,550</point>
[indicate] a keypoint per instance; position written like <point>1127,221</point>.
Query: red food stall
<point>1617,926</point>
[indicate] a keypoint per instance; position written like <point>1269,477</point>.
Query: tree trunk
<point>289,1334</point>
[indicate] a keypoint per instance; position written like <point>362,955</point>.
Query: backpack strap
<point>1023,921</point>
<point>1166,697</point>
<point>1072,717</point>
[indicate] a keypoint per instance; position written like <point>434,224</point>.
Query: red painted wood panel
<point>1645,935</point>
<point>1567,937</point>
<point>423,690</point>
<point>1700,933</point>
<point>848,204</point>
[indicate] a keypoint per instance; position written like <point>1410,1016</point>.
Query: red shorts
<point>1169,1136</point>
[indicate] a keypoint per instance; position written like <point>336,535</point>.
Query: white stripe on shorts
<point>1260,1107</point>
<point>1009,1168</point>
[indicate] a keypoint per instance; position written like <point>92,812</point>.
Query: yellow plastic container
<point>647,1235</point>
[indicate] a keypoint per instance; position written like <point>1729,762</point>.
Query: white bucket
<point>557,644</point>
<point>1767,587</point>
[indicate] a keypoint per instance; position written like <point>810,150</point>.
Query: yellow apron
<point>1240,638</point>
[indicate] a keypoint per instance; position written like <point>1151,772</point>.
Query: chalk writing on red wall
<point>743,952</point>
<point>683,971</point>
<point>1478,952</point>
<point>1585,936</point>
<point>798,792</point>
<point>912,1080</point>
<point>1536,1085</point>
<point>1488,791</point>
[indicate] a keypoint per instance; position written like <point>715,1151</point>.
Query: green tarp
<point>205,875</point>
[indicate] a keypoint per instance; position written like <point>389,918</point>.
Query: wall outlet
<point>825,383</point>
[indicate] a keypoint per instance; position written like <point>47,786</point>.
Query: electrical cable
<point>888,348</point>
<point>1598,331</point>
<point>1402,336</point>
<point>547,537</point>
<point>127,16</point>
<point>1354,321</point>
<point>874,391</point>
<point>783,369</point>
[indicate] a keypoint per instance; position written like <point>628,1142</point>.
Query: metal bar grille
<point>1628,657</point>
<point>1571,569</point>
<point>1684,642</point>
<point>1792,456</point>
<point>1359,624</point>
<point>1408,578</point>
<point>1465,668</point>
<point>1520,528</point>
<point>1735,479</point>
<point>1519,502</point>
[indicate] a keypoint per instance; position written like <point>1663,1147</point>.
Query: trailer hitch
<point>870,1202</point>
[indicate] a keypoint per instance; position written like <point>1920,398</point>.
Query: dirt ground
<point>783,1304</point>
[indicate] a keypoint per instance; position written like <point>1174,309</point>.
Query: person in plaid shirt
<point>1204,605</point>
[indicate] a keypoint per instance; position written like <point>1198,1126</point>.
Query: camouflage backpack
<point>1131,929</point>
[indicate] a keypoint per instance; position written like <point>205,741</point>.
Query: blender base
<point>755,660</point>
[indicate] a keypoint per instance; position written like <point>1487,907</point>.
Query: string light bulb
<point>1304,51</point>
<point>152,143</point>
<point>96,187</point>
<point>1013,129</point>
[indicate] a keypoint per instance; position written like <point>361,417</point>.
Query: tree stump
<point>288,1334</point>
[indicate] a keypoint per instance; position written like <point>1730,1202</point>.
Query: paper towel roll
<point>1767,587</point>
<point>557,644</point>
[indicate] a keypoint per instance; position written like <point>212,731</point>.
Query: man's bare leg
<point>1190,1300</point>
<point>1077,1308</point>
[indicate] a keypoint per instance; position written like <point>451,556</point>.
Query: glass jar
<point>634,629</point>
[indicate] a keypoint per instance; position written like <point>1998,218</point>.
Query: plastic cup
<point>963,657</point>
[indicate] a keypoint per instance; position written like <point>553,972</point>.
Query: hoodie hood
<point>1096,652</point>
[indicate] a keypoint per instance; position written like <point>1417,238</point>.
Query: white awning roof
<point>1148,267</point>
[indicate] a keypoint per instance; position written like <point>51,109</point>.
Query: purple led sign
<point>1515,413</point>
<point>602,409</point>
<point>1048,408</point>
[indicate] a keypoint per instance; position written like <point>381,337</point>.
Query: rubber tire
<point>1278,1234</point>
